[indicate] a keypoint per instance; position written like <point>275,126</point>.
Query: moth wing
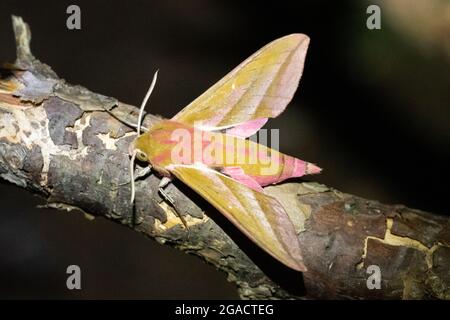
<point>260,87</point>
<point>247,129</point>
<point>259,216</point>
<point>238,174</point>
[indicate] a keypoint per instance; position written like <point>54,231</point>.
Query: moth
<point>205,146</point>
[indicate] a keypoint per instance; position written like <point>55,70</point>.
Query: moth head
<point>135,151</point>
<point>141,156</point>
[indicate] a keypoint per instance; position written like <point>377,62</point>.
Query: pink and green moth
<point>225,115</point>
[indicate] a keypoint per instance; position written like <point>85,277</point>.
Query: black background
<point>372,109</point>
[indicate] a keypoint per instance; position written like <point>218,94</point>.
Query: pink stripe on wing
<point>247,129</point>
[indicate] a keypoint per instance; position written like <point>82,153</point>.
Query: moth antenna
<point>144,102</point>
<point>132,160</point>
<point>125,122</point>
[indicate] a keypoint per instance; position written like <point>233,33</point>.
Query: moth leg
<point>143,172</point>
<point>163,183</point>
<point>139,174</point>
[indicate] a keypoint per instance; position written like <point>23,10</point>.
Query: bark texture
<point>57,140</point>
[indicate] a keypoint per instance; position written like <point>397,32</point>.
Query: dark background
<point>372,109</point>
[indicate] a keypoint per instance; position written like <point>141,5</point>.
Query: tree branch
<point>57,140</point>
